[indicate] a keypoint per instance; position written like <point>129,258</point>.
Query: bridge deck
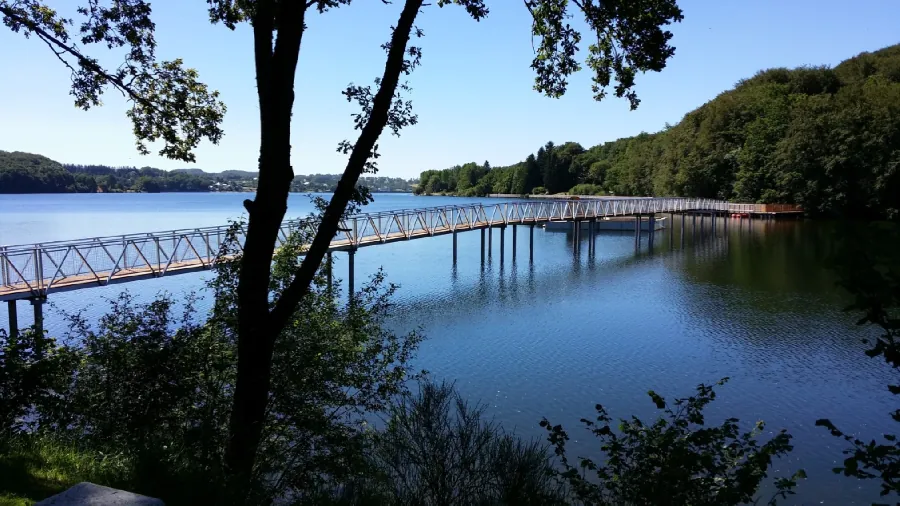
<point>34,271</point>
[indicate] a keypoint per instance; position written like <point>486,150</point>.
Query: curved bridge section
<point>35,271</point>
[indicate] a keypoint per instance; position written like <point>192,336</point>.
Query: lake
<point>556,337</point>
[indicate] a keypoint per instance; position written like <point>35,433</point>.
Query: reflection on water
<point>555,337</point>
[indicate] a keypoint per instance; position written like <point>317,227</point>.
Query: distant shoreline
<point>189,192</point>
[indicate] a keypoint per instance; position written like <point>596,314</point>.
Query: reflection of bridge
<point>34,271</point>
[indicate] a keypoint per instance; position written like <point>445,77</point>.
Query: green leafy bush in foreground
<point>676,460</point>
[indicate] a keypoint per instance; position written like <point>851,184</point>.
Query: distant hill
<point>825,138</point>
<point>32,173</point>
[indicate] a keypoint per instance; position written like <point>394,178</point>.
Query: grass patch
<point>33,468</point>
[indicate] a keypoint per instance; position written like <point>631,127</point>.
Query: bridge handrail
<point>36,268</point>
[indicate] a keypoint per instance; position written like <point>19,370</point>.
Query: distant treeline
<point>32,173</point>
<point>825,138</point>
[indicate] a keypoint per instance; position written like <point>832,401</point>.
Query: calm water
<point>554,338</point>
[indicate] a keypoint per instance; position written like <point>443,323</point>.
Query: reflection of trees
<point>773,257</point>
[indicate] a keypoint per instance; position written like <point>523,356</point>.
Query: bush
<point>586,189</point>
<point>539,190</point>
<point>438,449</point>
<point>676,460</point>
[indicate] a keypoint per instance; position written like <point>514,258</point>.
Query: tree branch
<point>51,41</point>
<point>355,166</point>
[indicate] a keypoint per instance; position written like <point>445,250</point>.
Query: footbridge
<point>35,271</point>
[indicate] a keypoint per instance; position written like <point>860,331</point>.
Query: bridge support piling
<point>671,230</point>
<point>592,236</point>
<point>328,270</point>
<point>651,222</point>
<point>637,231</point>
<point>712,219</point>
<point>13,319</point>
<point>482,246</point>
<point>38,305</point>
<point>514,243</point>
<point>350,289</point>
<point>454,247</point>
<point>490,241</point>
<point>502,242</point>
<point>575,227</point>
<point>531,244</point>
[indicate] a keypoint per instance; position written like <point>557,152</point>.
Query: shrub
<point>438,449</point>
<point>586,189</point>
<point>676,460</point>
<point>539,190</point>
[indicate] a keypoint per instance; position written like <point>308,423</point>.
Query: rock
<point>88,494</point>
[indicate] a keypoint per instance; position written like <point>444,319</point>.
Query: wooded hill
<point>30,173</point>
<point>825,138</point>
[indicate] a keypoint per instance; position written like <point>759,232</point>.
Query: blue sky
<point>473,93</point>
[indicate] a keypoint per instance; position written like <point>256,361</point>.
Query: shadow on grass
<point>32,469</point>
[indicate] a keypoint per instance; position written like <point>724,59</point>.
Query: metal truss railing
<point>37,270</point>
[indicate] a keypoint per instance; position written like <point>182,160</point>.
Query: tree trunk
<point>275,69</point>
<point>257,326</point>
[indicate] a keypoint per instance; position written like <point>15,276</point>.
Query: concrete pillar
<point>514,243</point>
<point>350,287</point>
<point>531,244</point>
<point>13,318</point>
<point>651,223</point>
<point>454,247</point>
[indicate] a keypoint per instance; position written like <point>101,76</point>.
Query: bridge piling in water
<point>671,230</point>
<point>38,304</point>
<point>574,237</point>
<point>490,241</point>
<point>350,288</point>
<point>328,270</point>
<point>482,246</point>
<point>651,221</point>
<point>514,243</point>
<point>637,231</point>
<point>13,319</point>
<point>592,236</point>
<point>502,242</point>
<point>454,247</point>
<point>531,244</point>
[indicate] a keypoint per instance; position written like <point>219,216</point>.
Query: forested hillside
<point>31,173</point>
<point>825,138</point>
